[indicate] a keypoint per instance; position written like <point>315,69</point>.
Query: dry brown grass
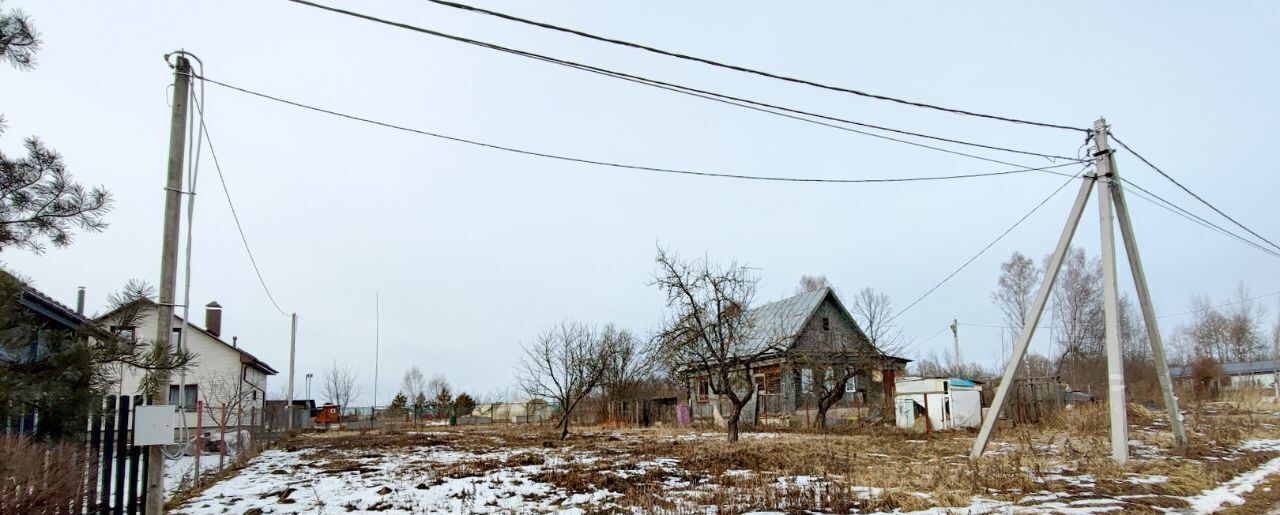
<point>909,472</point>
<point>39,478</point>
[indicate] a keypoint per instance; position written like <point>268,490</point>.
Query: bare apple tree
<point>565,364</point>
<point>709,329</point>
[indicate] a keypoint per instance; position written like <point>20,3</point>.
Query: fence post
<point>222,437</point>
<point>95,446</point>
<point>108,452</point>
<point>198,442</point>
<point>134,453</point>
<point>122,451</point>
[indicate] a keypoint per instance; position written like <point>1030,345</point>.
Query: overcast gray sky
<point>474,251</point>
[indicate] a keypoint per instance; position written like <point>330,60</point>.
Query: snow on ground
<point>442,478</point>
<point>180,472</point>
<point>1232,491</point>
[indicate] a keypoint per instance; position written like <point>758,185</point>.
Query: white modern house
<point>225,378</point>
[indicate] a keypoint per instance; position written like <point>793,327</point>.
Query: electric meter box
<point>153,425</point>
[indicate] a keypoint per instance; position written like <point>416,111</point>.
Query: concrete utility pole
<point>377,340</point>
<point>288,396</point>
<point>169,265</point>
<point>1144,295</point>
<point>1116,398</point>
<point>955,338</point>
<point>1110,192</point>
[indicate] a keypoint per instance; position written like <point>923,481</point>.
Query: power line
<point>1167,205</point>
<point>218,166</point>
<point>1224,304</point>
<point>988,247</point>
<point>1189,192</point>
<point>623,165</point>
<point>1166,315</point>
<point>709,95</point>
<point>745,69</point>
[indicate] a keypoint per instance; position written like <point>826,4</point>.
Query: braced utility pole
<point>1107,180</point>
<point>1101,135</point>
<point>154,503</point>
<point>1116,398</point>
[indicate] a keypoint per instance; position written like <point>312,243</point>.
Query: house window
<point>127,334</point>
<point>826,324</point>
<point>175,341</point>
<point>806,380</point>
<point>704,389</point>
<point>188,401</point>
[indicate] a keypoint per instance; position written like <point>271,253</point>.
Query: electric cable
<point>1189,192</point>
<point>988,247</point>
<point>744,69</point>
<point>1167,205</point>
<point>661,84</point>
<point>218,166</point>
<point>629,166</point>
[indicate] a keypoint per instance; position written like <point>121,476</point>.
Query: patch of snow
<point>1232,491</point>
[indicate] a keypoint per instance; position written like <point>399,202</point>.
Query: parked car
<point>1078,397</point>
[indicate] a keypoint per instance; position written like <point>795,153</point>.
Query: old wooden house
<point>815,340</point>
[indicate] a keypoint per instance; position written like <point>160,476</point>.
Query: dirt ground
<point>1062,466</point>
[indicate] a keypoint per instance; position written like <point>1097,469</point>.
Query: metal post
<point>1111,309</point>
<point>293,342</point>
<point>168,265</point>
<point>198,442</point>
<point>377,339</point>
<point>1140,284</point>
<point>1033,317</point>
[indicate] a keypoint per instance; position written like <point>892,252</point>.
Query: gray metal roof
<point>1235,369</point>
<point>776,323</point>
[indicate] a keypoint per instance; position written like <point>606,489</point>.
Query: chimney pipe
<point>213,318</point>
<point>80,300</point>
<point>235,342</point>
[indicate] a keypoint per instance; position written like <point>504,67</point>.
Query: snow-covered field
<point>522,470</point>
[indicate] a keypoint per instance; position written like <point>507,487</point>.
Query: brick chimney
<point>213,318</point>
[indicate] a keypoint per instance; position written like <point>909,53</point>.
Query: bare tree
<point>1015,292</point>
<point>1226,335</point>
<point>874,313</point>
<point>225,399</point>
<point>564,363</point>
<point>413,384</point>
<point>1078,319</point>
<point>933,366</point>
<point>810,283</point>
<point>628,363</point>
<point>710,331</point>
<point>340,384</point>
<point>836,354</point>
<point>437,385</point>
